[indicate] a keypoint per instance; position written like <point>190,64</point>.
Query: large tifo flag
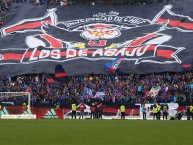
<point>65,42</point>
<point>174,20</point>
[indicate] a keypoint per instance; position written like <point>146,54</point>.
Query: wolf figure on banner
<point>143,38</point>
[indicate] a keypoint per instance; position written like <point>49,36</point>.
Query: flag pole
<point>167,7</point>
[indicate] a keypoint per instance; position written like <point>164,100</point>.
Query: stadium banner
<point>150,38</point>
<point>50,113</point>
<point>18,116</point>
<point>172,109</point>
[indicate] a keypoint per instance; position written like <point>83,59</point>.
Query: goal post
<point>16,105</point>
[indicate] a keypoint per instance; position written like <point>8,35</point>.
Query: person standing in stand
<point>0,110</point>
<point>143,109</point>
<point>73,111</point>
<point>92,110</point>
<point>25,106</point>
<point>101,111</point>
<point>122,109</point>
<point>82,107</point>
<point>165,111</point>
<point>98,110</point>
<point>95,110</point>
<point>188,112</point>
<point>158,111</point>
<point>154,111</point>
<point>191,111</point>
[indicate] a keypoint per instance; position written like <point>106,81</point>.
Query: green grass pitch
<point>95,132</point>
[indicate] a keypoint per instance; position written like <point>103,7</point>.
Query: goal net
<point>15,105</point>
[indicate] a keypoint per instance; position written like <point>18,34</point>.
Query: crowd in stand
<point>112,2</point>
<point>174,87</point>
<point>4,4</point>
<point>93,2</point>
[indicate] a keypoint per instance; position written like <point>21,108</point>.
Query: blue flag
<point>113,65</point>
